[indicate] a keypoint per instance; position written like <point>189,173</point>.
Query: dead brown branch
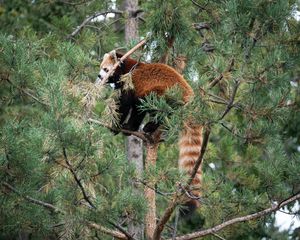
<point>131,51</point>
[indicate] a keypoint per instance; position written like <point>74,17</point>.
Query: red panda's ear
<point>106,55</point>
<point>113,55</point>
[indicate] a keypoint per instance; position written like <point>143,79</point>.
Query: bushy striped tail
<point>190,143</point>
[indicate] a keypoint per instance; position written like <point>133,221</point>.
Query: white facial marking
<point>102,73</point>
<point>105,66</point>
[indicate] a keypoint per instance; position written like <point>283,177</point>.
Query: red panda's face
<point>105,66</point>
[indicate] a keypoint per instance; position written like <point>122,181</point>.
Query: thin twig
<point>77,179</point>
<point>175,224</point>
<point>48,206</point>
<point>117,64</point>
<point>25,91</point>
<point>218,236</point>
<point>53,208</point>
<point>198,5</point>
<point>249,217</point>
<point>231,130</point>
<point>200,158</point>
<point>231,101</point>
<point>220,100</point>
<point>189,195</point>
<point>153,188</point>
<point>121,229</point>
<point>135,133</point>
<point>221,76</point>
<point>90,18</point>
<point>75,3</point>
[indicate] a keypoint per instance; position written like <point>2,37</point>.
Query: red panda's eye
<point>105,69</point>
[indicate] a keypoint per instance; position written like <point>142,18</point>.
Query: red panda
<point>148,78</point>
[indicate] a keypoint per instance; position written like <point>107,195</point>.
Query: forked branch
<point>90,18</point>
<point>174,202</point>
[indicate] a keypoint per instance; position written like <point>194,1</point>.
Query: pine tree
<point>63,176</point>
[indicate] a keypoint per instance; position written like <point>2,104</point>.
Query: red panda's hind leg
<point>135,119</point>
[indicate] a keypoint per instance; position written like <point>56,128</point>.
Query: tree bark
<point>134,150</point>
<point>150,219</point>
<point>131,23</point>
<point>134,145</point>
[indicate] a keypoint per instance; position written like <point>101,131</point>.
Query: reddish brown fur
<point>189,150</point>
<point>153,77</point>
<point>157,77</point>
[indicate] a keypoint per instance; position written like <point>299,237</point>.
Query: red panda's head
<point>109,59</point>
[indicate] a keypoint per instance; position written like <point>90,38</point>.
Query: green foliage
<point>43,135</point>
<point>252,158</point>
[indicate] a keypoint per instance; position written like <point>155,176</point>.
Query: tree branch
<point>77,179</point>
<point>53,208</point>
<point>200,158</point>
<point>135,133</point>
<point>24,91</point>
<point>89,97</point>
<point>115,234</point>
<point>198,5</point>
<point>75,3</point>
<point>90,18</point>
<point>172,205</point>
<point>121,229</point>
<point>239,219</point>
<point>165,194</point>
<point>165,218</point>
<point>33,200</point>
<point>231,101</point>
<point>132,50</point>
<point>221,76</point>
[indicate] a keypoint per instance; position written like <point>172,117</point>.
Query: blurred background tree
<point>62,177</point>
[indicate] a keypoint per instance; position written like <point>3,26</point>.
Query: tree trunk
<point>131,23</point>
<point>150,219</point>
<point>134,145</point>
